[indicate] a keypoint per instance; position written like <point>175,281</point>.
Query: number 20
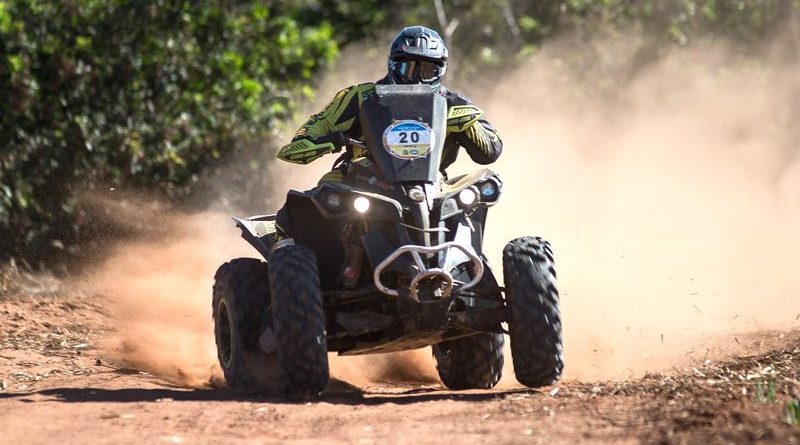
<point>404,136</point>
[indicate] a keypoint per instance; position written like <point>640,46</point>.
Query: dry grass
<point>19,279</point>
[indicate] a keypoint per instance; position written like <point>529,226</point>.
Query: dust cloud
<point>672,205</point>
<point>159,293</point>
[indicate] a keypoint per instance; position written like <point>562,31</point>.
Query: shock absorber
<point>352,265</point>
<point>354,254</point>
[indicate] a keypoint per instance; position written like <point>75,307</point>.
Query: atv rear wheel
<point>535,318</point>
<point>240,307</point>
<point>474,362</point>
<point>299,320</point>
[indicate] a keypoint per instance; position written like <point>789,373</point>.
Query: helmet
<point>417,55</point>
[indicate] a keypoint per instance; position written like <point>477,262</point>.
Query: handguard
<point>461,117</point>
<point>303,151</point>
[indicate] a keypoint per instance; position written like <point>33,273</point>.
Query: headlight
<point>467,197</point>
<point>333,201</point>
<point>488,190</point>
<point>361,204</point>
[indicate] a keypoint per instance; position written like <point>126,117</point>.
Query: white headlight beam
<point>467,197</point>
<point>361,204</point>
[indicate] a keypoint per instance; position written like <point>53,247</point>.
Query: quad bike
<point>390,259</point>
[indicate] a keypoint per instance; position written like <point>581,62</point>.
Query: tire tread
<point>245,283</point>
<point>299,320</point>
<point>474,362</point>
<point>535,318</point>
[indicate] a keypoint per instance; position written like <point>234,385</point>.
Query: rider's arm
<point>471,130</point>
<point>313,140</point>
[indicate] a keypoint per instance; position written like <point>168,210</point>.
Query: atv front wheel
<point>535,318</point>
<point>299,320</point>
<point>240,308</point>
<point>474,362</point>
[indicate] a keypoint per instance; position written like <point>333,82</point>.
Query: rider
<point>417,56</point>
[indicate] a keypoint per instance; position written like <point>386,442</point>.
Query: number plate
<point>408,139</point>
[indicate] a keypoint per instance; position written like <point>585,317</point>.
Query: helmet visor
<point>414,71</point>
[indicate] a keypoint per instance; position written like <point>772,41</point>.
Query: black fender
<point>259,231</point>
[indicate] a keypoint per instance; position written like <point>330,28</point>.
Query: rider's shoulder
<point>454,98</point>
<point>359,87</point>
<point>354,90</point>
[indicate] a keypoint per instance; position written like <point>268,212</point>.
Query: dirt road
<point>58,386</point>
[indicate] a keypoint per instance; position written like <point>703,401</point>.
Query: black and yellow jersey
<point>466,127</point>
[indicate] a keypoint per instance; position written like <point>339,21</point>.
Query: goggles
<point>414,71</point>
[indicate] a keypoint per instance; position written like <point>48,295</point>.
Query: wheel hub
<point>224,334</point>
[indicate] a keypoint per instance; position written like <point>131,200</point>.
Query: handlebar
<point>354,142</point>
<point>339,139</point>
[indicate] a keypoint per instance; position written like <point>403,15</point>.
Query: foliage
<point>155,94</point>
<point>498,33</point>
<point>765,395</point>
<point>793,412</point>
<point>352,19</point>
<point>126,93</point>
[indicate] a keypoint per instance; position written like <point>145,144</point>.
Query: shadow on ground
<point>338,393</point>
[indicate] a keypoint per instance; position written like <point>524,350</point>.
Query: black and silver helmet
<point>417,55</point>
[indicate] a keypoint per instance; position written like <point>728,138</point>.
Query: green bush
<point>142,94</point>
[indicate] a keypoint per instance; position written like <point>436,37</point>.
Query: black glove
<point>338,139</point>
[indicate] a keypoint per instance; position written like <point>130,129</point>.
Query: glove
<point>303,151</point>
<point>338,140</point>
<point>461,117</point>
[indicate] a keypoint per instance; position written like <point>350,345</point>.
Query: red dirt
<point>56,383</point>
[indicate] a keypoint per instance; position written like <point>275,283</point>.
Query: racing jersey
<point>466,127</point>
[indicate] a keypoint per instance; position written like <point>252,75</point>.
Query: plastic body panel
<point>392,103</point>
